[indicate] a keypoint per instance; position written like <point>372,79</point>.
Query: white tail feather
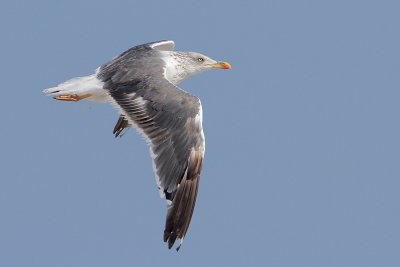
<point>87,85</point>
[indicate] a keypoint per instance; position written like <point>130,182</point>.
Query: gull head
<point>181,65</point>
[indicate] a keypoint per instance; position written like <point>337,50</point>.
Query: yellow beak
<point>221,65</point>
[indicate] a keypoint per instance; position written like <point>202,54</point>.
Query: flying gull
<point>141,84</point>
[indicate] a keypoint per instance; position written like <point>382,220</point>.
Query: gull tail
<point>87,87</point>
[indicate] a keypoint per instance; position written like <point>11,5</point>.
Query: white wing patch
<point>163,46</point>
<point>199,123</point>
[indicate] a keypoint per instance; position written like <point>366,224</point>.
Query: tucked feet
<point>73,97</point>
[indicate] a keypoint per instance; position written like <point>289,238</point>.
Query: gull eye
<point>200,59</point>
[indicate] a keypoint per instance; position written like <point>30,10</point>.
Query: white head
<point>181,65</point>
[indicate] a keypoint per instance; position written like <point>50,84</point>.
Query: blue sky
<point>302,135</point>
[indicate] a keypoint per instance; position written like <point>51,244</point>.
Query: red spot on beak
<point>222,65</point>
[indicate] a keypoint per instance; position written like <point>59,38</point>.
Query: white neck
<point>175,70</point>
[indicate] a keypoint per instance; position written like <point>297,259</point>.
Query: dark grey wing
<point>171,120</point>
<point>164,45</point>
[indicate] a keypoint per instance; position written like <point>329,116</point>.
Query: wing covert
<point>171,121</point>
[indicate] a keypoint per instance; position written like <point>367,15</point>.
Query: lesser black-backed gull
<point>141,84</point>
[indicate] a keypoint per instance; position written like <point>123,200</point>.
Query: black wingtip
<point>121,124</point>
<point>181,209</point>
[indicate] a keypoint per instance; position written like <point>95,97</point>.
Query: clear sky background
<point>302,135</point>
